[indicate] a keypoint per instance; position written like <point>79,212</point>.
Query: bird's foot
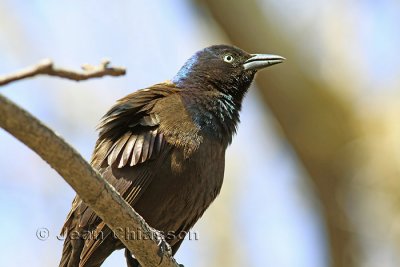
<point>163,245</point>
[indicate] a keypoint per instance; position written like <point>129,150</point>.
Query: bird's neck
<point>215,113</point>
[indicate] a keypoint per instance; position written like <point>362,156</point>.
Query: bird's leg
<point>130,260</point>
<point>163,245</point>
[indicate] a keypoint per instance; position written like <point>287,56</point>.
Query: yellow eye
<point>229,58</point>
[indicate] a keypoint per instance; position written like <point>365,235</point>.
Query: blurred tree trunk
<point>320,125</point>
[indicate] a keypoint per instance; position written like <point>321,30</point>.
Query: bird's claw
<point>162,244</point>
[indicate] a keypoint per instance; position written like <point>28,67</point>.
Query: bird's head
<point>223,67</point>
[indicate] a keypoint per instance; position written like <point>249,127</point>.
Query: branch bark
<point>46,67</point>
<point>87,182</point>
<point>89,185</point>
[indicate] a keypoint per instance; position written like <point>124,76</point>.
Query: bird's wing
<point>129,137</point>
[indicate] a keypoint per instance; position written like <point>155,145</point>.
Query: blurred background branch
<point>323,123</point>
<point>318,122</point>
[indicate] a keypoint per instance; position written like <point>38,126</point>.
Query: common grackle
<point>163,148</point>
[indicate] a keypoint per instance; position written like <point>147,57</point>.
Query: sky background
<point>267,199</point>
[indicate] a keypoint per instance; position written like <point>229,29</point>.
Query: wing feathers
<point>128,136</point>
<point>158,142</point>
<point>117,149</point>
<point>150,120</point>
<point>153,135</point>
<point>137,150</point>
<point>146,145</point>
<point>132,149</point>
<point>128,150</point>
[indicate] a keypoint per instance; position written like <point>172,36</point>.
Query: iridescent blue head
<point>225,68</point>
<point>214,81</point>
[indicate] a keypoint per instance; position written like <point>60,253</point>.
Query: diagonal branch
<point>89,185</point>
<point>46,67</point>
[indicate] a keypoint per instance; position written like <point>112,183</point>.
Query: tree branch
<point>87,182</point>
<point>89,185</point>
<point>46,67</point>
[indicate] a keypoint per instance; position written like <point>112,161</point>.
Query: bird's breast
<point>184,187</point>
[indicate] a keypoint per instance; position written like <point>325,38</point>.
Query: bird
<point>163,149</point>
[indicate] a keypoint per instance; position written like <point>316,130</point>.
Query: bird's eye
<point>229,58</point>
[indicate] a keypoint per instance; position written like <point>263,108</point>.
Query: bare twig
<point>90,186</point>
<point>46,67</point>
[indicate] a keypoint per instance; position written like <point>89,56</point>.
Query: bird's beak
<point>259,61</point>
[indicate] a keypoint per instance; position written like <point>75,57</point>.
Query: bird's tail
<point>72,246</point>
<point>66,254</point>
<point>71,252</point>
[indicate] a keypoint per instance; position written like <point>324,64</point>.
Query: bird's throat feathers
<point>216,114</point>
